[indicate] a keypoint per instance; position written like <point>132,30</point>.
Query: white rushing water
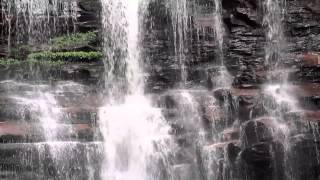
<point>135,133</point>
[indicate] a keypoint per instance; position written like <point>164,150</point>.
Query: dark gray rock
<point>263,161</point>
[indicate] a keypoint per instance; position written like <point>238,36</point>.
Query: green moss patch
<point>13,62</point>
<point>8,61</point>
<point>74,56</point>
<point>73,40</point>
<point>45,63</point>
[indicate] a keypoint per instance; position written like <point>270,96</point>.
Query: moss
<point>45,63</point>
<point>73,40</point>
<point>73,56</point>
<point>8,61</point>
<point>20,52</point>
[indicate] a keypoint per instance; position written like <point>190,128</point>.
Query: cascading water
<point>274,49</point>
<point>37,20</point>
<point>274,54</point>
<point>180,19</point>
<point>218,27</point>
<point>274,10</point>
<point>136,136</point>
<point>49,133</point>
<point>188,99</point>
<point>196,123</point>
<point>224,79</point>
<point>279,91</point>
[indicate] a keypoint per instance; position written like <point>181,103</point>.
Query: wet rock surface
<point>262,151</point>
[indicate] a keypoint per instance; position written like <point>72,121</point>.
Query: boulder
<point>256,131</point>
<point>263,161</point>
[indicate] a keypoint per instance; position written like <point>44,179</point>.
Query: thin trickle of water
<point>273,16</point>
<point>224,78</point>
<point>136,138</point>
<point>190,116</point>
<point>316,134</point>
<point>219,31</point>
<point>189,112</point>
<point>212,156</point>
<point>180,18</point>
<point>282,100</point>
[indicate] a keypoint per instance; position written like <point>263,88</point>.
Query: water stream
<point>136,136</point>
<point>179,11</point>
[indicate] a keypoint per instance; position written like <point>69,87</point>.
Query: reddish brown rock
<point>310,59</point>
<point>14,129</point>
<point>305,90</point>
<point>25,132</point>
<point>304,116</point>
<point>219,148</point>
<point>245,92</point>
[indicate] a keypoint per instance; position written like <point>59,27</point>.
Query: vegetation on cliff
<point>73,41</point>
<point>72,56</point>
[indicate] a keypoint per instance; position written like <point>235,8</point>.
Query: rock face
<point>248,143</point>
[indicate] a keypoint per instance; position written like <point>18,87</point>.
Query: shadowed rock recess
<point>264,126</point>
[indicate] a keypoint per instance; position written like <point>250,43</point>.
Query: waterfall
<point>159,90</point>
<point>190,102</point>
<point>37,20</point>
<point>278,87</point>
<point>274,55</point>
<point>51,146</point>
<point>136,136</point>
